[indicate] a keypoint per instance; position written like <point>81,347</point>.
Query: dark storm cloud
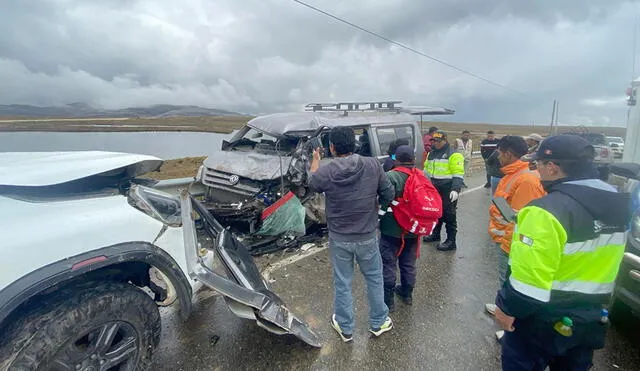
<point>262,56</point>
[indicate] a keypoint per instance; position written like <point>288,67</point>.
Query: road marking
<point>472,189</point>
<point>295,258</point>
<point>292,259</point>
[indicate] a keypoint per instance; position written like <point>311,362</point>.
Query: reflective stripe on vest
<point>584,287</point>
<point>568,286</point>
<point>498,232</point>
<point>602,241</point>
<point>530,290</point>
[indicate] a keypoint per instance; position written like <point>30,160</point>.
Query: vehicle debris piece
<point>285,215</point>
<point>244,290</point>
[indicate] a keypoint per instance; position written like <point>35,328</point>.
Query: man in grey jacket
<point>351,184</point>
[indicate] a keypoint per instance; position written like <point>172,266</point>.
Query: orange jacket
<point>519,186</point>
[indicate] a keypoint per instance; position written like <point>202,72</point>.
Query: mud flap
<point>244,284</point>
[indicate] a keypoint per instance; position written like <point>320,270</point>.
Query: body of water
<point>166,145</point>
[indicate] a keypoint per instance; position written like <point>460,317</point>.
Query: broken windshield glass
<point>249,139</point>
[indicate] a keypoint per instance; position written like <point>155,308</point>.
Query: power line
<point>406,47</point>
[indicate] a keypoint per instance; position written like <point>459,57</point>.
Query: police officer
<point>565,253</point>
<point>445,168</point>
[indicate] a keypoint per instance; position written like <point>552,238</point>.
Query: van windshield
<point>249,139</point>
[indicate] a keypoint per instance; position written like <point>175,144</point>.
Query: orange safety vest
<point>519,186</point>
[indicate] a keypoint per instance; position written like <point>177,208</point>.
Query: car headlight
<point>157,204</point>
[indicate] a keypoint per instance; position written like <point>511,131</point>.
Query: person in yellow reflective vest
<point>565,253</point>
<point>445,168</point>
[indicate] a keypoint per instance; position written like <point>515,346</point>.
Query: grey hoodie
<point>351,186</point>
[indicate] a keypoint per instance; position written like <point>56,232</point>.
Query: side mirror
<point>629,170</point>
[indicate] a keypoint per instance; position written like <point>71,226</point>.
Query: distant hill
<point>82,110</point>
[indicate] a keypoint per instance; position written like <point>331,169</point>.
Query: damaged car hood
<point>250,165</point>
<point>38,169</point>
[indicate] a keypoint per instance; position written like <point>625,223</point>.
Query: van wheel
<point>99,326</point>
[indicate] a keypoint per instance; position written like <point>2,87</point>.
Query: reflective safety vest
<point>519,186</point>
<point>562,254</point>
<point>443,166</point>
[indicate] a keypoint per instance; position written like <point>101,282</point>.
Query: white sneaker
<point>386,326</point>
<point>499,335</point>
<point>490,308</point>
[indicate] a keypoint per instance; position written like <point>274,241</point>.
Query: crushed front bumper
<point>244,289</point>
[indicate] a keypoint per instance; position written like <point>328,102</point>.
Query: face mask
<point>393,157</point>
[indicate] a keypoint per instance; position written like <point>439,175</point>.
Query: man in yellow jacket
<point>565,255</point>
<point>518,187</point>
<point>445,168</point>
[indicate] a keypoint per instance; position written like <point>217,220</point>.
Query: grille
<point>224,181</point>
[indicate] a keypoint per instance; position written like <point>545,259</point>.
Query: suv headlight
<point>157,204</point>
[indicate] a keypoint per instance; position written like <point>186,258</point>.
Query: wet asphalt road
<point>445,329</point>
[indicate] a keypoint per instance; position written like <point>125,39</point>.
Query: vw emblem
<point>234,179</point>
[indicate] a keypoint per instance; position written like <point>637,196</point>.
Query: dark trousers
<point>519,354</point>
<point>449,218</point>
<point>389,247</point>
<point>486,168</point>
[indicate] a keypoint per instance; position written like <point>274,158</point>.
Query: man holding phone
<point>517,188</point>
<point>353,186</point>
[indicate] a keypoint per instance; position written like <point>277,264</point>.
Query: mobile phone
<point>503,207</point>
<point>315,143</point>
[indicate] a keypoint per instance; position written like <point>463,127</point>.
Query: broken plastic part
<point>244,284</point>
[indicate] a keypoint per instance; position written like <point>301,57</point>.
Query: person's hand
<point>316,154</point>
<point>315,163</point>
<point>453,196</point>
<point>505,321</point>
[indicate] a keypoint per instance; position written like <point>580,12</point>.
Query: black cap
<point>405,155</point>
<point>564,148</point>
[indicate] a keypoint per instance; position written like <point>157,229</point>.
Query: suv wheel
<point>99,326</point>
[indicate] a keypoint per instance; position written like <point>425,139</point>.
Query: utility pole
<point>557,113</point>
<point>553,115</point>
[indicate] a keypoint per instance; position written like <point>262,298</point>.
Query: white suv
<point>89,252</point>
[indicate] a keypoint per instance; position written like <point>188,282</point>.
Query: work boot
<point>405,293</point>
<point>431,238</point>
<point>487,185</point>
<point>447,245</point>
<point>388,299</point>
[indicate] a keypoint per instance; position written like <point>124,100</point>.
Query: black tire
<point>109,322</point>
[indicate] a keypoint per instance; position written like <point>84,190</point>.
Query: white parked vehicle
<point>617,146</point>
<point>89,252</point>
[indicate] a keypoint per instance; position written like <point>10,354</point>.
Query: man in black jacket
<point>487,147</point>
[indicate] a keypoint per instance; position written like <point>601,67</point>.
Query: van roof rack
<point>377,106</point>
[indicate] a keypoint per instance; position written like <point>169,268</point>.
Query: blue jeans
<point>503,265</point>
<point>494,184</point>
<point>367,254</point>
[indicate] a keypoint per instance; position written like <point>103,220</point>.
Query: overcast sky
<point>261,56</point>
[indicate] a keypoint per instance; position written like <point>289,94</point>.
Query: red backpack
<point>420,206</point>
